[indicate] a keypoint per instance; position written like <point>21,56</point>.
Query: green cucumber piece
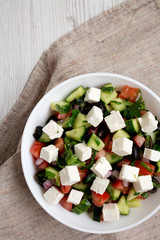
<point>81,120</point>
<point>97,211</point>
<point>109,108</point>
<point>95,143</point>
<point>44,138</point>
<point>77,93</point>
<point>52,173</point>
<point>121,133</point>
<point>115,194</point>
<point>81,186</point>
<point>113,158</point>
<point>82,207</point>
<point>108,93</point>
<point>134,203</point>
<point>89,177</point>
<point>77,133</point>
<point>61,107</point>
<point>132,194</point>
<point>132,126</point>
<point>64,122</point>
<point>122,206</point>
<point>158,167</point>
<point>118,104</point>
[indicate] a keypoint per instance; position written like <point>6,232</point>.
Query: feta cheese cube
<point>110,212</point>
<point>114,121</point>
<point>143,184</point>
<point>151,154</point>
<point>69,175</point>
<point>53,130</point>
<point>129,173</point>
<point>99,185</point>
<point>148,122</point>
<point>49,153</point>
<point>82,151</point>
<point>122,146</point>
<point>92,95</point>
<point>101,167</point>
<point>75,197</point>
<point>95,116</point>
<point>53,195</point>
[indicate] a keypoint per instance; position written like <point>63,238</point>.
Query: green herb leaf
<point>63,109</point>
<point>143,164</point>
<point>145,195</point>
<point>156,146</point>
<point>92,159</point>
<point>157,185</point>
<point>97,141</point>
<point>136,193</point>
<point>108,89</point>
<point>73,117</point>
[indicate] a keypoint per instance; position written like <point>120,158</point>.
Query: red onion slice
<point>115,174</point>
<point>39,161</point>
<point>125,183</point>
<point>47,184</point>
<point>109,173</point>
<point>145,160</point>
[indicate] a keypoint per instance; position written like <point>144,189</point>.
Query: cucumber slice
<point>113,158</point>
<point>89,177</point>
<point>113,192</point>
<point>109,108</point>
<point>61,107</point>
<point>108,93</point>
<point>118,104</point>
<point>121,133</point>
<point>81,186</point>
<point>95,143</point>
<point>77,134</point>
<point>132,126</point>
<point>131,194</point>
<point>122,206</point>
<point>97,211</point>
<point>44,138</point>
<point>81,120</point>
<point>134,203</point>
<point>77,93</point>
<point>52,173</point>
<point>158,167</point>
<point>82,207</point>
<point>64,122</point>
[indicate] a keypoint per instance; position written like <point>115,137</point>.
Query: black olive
<point>136,152</point>
<point>153,190</point>
<point>148,142</point>
<point>158,126</point>
<point>154,180</point>
<point>86,108</point>
<point>38,133</point>
<point>101,106</point>
<point>103,130</point>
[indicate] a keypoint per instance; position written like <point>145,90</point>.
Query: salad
<point>99,152</point>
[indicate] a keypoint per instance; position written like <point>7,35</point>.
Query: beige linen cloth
<point>124,40</point>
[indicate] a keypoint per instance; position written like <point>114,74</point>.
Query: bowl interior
<point>39,116</point>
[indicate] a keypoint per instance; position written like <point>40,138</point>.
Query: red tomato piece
<point>143,170</point>
<point>62,116</point>
<point>140,197</point>
<point>99,154</point>
<point>82,173</point>
<point>65,204</point>
<point>65,189</point>
<point>124,161</point>
<point>98,199</point>
<point>139,140</point>
<point>36,149</point>
<point>43,165</point>
<point>107,140</point>
<point>129,93</point>
<point>143,112</point>
<point>118,185</point>
<point>59,143</point>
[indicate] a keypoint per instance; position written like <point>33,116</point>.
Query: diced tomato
<point>118,185</point>
<point>65,189</point>
<point>43,165</point>
<point>143,170</point>
<point>109,148</point>
<point>124,161</point>
<point>59,143</point>
<point>99,154</point>
<point>143,112</point>
<point>65,204</point>
<point>107,140</point>
<point>92,130</point>
<point>98,199</point>
<point>139,140</point>
<point>82,173</point>
<point>62,116</point>
<point>36,149</point>
<point>129,93</point>
<point>140,197</point>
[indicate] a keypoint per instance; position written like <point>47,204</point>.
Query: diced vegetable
<point>65,189</point>
<point>134,203</point>
<point>129,93</point>
<point>36,149</point>
<point>98,199</point>
<point>61,107</point>
<point>51,173</point>
<point>77,134</point>
<point>108,93</point>
<point>145,168</point>
<point>82,207</point>
<point>77,93</point>
<point>123,207</point>
<point>68,206</point>
<point>121,133</point>
<point>97,212</point>
<point>81,120</point>
<point>113,158</point>
<point>139,140</point>
<point>132,126</point>
<point>95,143</point>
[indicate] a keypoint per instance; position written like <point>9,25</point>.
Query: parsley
<point>136,193</point>
<point>143,164</point>
<point>108,89</point>
<point>156,146</point>
<point>72,118</point>
<point>92,159</point>
<point>132,163</point>
<point>64,108</point>
<point>145,195</point>
<point>97,141</point>
<point>157,185</point>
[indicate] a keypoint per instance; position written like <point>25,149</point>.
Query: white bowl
<point>39,116</point>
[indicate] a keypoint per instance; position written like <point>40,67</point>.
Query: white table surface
<point>27,28</point>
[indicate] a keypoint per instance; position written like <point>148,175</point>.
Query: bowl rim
<point>65,82</point>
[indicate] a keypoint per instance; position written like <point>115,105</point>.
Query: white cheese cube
<point>49,153</point>
<point>75,197</point>
<point>82,151</point>
<point>143,184</point>
<point>110,212</point>
<point>151,154</point>
<point>99,185</point>
<point>95,116</point>
<point>114,121</point>
<point>53,130</point>
<point>129,173</point>
<point>53,195</point>
<point>122,146</point>
<point>101,167</point>
<point>92,95</point>
<point>148,122</point>
<point>69,175</point>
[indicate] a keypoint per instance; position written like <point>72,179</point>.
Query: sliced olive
<point>136,153</point>
<point>38,132</point>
